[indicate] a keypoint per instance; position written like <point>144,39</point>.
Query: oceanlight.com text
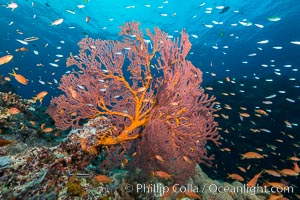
<point>160,189</point>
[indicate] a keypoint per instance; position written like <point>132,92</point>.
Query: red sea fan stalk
<point>172,114</point>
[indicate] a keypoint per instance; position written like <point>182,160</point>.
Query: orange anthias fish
<point>20,78</point>
<point>47,130</point>
<point>261,112</point>
<point>40,96</point>
<point>186,159</point>
<point>276,185</point>
<point>73,92</point>
<point>6,59</point>
<point>252,155</point>
<point>102,179</point>
<point>13,111</point>
<point>162,174</point>
<point>242,169</point>
<point>294,158</point>
<point>296,167</point>
<point>43,125</point>
<point>272,172</point>
<point>236,177</point>
<point>253,181</point>
<point>22,49</point>
<point>288,172</point>
<point>158,157</point>
<point>244,114</point>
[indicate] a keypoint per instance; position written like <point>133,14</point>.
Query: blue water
<point>107,16</point>
<point>209,52</point>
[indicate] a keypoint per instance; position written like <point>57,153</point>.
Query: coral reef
<point>13,100</point>
<point>159,99</point>
<point>67,172</point>
<point>63,171</point>
<point>5,85</point>
<point>25,124</point>
<point>12,109</point>
<point>42,170</point>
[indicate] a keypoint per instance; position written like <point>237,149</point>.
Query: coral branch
<point>103,87</point>
<point>171,113</point>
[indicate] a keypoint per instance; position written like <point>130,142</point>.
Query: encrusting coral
<point>16,103</point>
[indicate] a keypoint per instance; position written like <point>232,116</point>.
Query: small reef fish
<point>31,39</point>
<point>80,6</point>
<point>295,42</point>
<point>102,179</point>
<point>12,6</point>
<point>71,11</point>
<point>40,96</point>
<point>54,64</point>
<point>187,160</point>
<point>252,155</point>
<point>272,172</point>
<point>296,167</point>
<point>22,42</point>
<point>288,172</point>
<point>261,112</point>
<point>236,177</point>
<point>263,42</point>
<point>242,169</point>
<point>224,10</point>
<point>6,59</point>
<point>275,184</point>
<point>20,78</point>
<point>162,174</point>
<point>259,25</point>
<point>13,111</point>
<point>73,92</point>
<point>294,158</point>
<point>22,49</point>
<point>253,181</point>
<point>158,157</point>
<point>244,115</point>
<point>274,19</point>
<point>47,130</point>
<point>57,22</point>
